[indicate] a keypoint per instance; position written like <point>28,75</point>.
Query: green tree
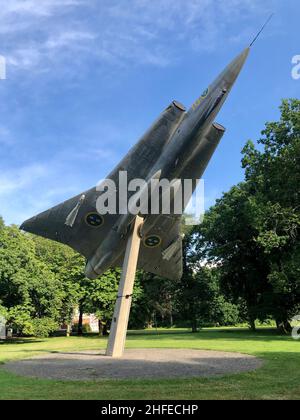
<point>227,238</point>
<point>155,301</point>
<point>273,176</point>
<point>68,269</point>
<point>252,233</point>
<point>99,297</point>
<point>26,283</point>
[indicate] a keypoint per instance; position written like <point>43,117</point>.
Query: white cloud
<point>17,195</point>
<point>46,53</point>
<point>39,34</point>
<point>63,35</point>
<point>35,31</point>
<point>14,180</point>
<point>34,7</point>
<point>24,57</point>
<point>5,136</point>
<point>25,15</point>
<point>200,24</point>
<point>29,190</point>
<point>67,39</point>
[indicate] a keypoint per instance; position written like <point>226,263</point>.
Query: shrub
<point>85,328</point>
<point>43,327</point>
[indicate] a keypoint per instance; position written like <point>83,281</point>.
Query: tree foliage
<point>252,232</point>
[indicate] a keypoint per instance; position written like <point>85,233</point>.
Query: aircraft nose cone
<point>229,75</point>
<point>27,226</point>
<point>233,70</point>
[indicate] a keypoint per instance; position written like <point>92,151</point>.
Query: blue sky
<point>86,78</point>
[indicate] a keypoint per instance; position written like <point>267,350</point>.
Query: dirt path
<point>136,363</point>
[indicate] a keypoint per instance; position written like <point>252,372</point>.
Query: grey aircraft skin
<point>179,145</point>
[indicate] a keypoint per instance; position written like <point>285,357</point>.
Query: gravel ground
<point>136,363</point>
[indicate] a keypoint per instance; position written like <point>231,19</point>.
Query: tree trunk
<point>171,320</point>
<point>252,325</point>
<point>105,332</point>
<point>68,330</point>
<point>80,319</point>
<point>194,326</point>
<point>100,327</point>
<point>284,327</point>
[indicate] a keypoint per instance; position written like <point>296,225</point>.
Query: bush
<point>224,313</point>
<point>43,327</point>
<point>18,318</point>
<point>85,328</point>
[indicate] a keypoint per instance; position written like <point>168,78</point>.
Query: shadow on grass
<point>82,353</point>
<point>264,335</point>
<point>228,334</point>
<point>20,341</point>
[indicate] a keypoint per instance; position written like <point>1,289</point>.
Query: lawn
<point>279,378</point>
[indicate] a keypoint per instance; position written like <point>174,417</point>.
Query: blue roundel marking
<point>94,220</point>
<point>205,93</point>
<point>152,241</point>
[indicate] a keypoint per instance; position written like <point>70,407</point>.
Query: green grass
<point>279,378</point>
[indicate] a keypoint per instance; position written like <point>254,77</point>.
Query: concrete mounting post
<point>118,329</point>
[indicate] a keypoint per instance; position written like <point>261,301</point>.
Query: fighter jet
<point>178,146</point>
